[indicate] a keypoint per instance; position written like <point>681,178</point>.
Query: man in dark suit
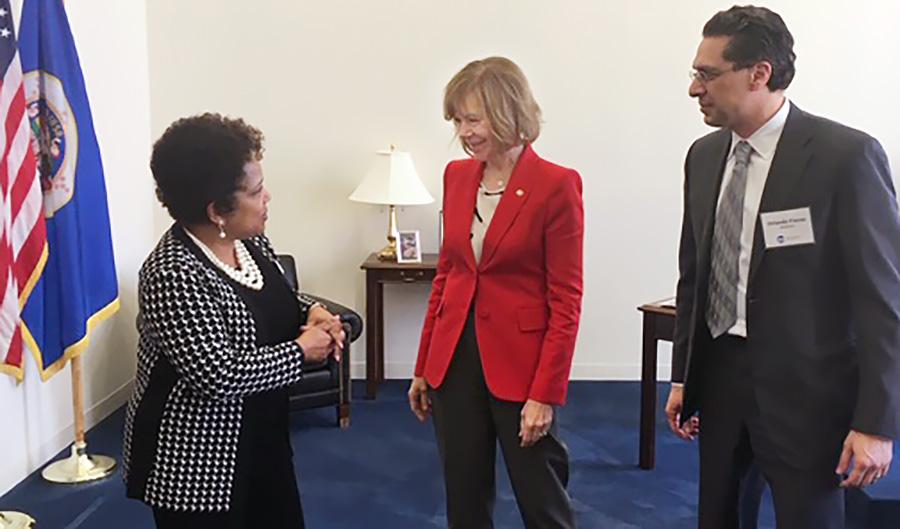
<point>787,340</point>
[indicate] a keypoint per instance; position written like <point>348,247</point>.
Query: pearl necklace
<point>248,274</point>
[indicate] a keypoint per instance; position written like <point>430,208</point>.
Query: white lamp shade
<point>392,180</point>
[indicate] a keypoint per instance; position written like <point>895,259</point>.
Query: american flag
<point>23,239</point>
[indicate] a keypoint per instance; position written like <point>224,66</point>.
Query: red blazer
<point>527,288</point>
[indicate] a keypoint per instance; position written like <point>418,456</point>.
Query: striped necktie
<point>721,310</point>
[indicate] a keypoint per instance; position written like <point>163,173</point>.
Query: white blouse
<point>485,206</point>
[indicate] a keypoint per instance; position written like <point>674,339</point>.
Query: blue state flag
<point>78,286</point>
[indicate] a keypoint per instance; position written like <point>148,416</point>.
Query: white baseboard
<point>40,455</point>
<point>601,371</point>
<point>605,371</point>
<point>92,417</point>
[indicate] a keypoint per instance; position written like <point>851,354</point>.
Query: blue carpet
<point>383,472</point>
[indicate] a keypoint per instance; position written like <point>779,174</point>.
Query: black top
<point>264,425</point>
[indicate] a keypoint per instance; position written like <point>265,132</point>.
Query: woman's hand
<point>535,422</point>
<point>319,316</point>
<point>419,402</point>
<point>316,343</point>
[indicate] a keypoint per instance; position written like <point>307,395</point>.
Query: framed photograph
<point>409,250</point>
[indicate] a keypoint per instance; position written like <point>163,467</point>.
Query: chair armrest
<point>348,315</point>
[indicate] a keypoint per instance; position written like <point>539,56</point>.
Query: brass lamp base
<point>79,467</point>
<point>389,252</point>
<point>15,520</point>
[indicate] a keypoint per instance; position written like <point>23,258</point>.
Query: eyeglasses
<point>706,76</point>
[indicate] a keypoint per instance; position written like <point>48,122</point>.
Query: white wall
<point>37,419</point>
<point>330,82</point>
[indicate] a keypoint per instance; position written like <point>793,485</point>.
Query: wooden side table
<point>659,324</point>
<point>377,274</point>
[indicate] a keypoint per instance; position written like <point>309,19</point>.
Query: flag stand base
<point>79,467</point>
<point>15,520</point>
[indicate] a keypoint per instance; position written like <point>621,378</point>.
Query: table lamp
<point>392,181</point>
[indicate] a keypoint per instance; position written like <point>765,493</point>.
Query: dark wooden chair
<point>327,384</point>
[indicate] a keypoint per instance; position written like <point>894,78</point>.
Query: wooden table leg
<point>647,450</point>
<point>379,346</point>
<point>373,331</point>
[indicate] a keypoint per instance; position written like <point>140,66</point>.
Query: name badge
<point>787,228</point>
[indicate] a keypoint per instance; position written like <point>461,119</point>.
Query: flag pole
<point>15,520</point>
<point>79,467</point>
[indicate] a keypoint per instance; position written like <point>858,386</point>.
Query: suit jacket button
<point>485,315</point>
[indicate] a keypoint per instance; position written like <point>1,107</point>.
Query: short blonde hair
<point>506,99</point>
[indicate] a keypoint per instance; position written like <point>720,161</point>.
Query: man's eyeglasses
<point>706,76</point>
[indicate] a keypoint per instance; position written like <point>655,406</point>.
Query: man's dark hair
<point>199,160</point>
<point>757,34</point>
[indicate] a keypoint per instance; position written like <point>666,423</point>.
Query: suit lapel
<point>786,173</point>
<point>465,201</point>
<point>708,194</point>
<point>518,190</point>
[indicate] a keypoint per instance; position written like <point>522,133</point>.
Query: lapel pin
<point>520,193</point>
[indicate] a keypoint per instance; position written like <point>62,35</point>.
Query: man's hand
<point>536,418</point>
<point>673,413</point>
<point>871,458</point>
<point>419,402</point>
<point>319,316</point>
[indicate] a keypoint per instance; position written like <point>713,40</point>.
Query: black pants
<point>733,436</point>
<point>468,422</point>
<point>753,485</point>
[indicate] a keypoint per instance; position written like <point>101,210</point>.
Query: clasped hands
<point>322,335</point>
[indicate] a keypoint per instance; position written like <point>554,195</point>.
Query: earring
<point>221,229</point>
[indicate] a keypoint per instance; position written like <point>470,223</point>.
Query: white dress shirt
<point>763,141</point>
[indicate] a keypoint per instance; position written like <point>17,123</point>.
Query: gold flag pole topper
<point>15,520</point>
<point>79,467</point>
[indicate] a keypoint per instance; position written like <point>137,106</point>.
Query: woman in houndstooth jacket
<point>221,337</point>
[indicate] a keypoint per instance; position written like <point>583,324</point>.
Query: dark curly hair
<point>200,159</point>
<point>757,34</point>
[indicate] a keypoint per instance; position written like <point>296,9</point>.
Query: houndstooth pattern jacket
<point>192,317</point>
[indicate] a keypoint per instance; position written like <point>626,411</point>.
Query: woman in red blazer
<point>498,339</point>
